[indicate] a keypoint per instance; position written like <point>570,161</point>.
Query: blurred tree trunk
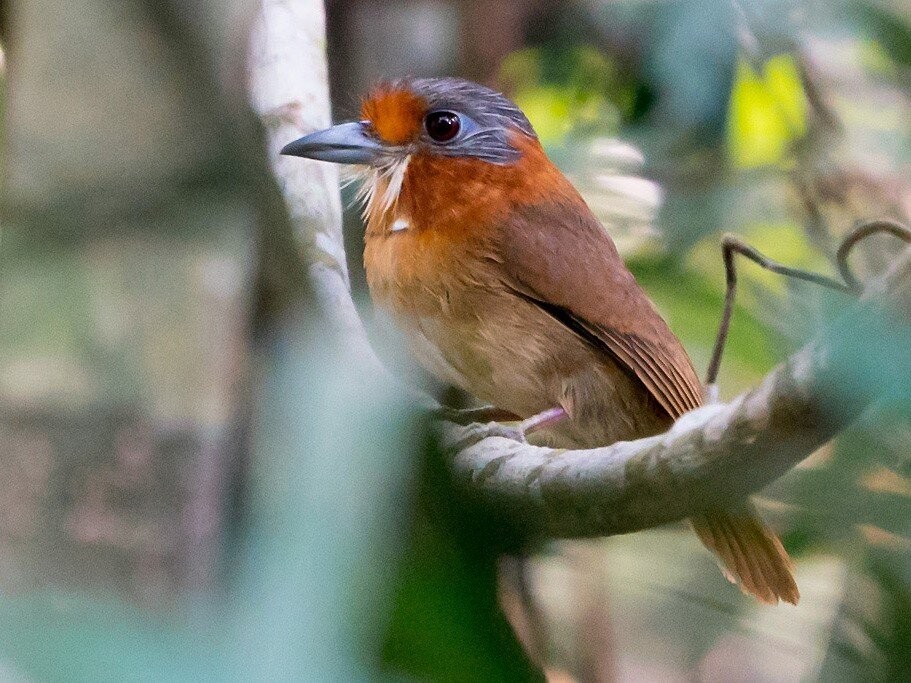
<point>490,31</point>
<point>126,274</point>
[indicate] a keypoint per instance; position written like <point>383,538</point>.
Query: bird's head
<point>446,141</point>
<point>447,117</point>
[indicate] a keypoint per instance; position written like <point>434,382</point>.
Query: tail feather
<point>750,553</point>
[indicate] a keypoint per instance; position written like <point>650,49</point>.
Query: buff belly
<point>510,354</point>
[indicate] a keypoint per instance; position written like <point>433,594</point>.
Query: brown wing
<point>559,257</point>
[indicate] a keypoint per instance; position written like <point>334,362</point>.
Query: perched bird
<point>508,287</point>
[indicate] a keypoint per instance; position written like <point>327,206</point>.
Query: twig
<point>731,245</point>
<point>860,233</point>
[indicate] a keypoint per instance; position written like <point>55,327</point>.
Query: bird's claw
<point>505,431</point>
<point>467,416</point>
<point>456,437</point>
<point>493,426</point>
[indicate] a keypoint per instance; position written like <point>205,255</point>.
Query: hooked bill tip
<point>346,143</point>
<point>291,149</point>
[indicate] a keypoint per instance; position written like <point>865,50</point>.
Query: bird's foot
<point>463,435</point>
<point>541,420</point>
<point>456,437</point>
<point>514,433</point>
<point>470,415</point>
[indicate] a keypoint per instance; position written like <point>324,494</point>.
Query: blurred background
<point>196,482</point>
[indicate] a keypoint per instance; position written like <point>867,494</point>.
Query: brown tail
<point>751,553</point>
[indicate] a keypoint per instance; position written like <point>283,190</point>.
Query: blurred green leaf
<point>893,33</point>
<point>891,631</point>
<point>573,90</point>
<point>768,112</point>
<point>447,624</point>
<point>331,497</point>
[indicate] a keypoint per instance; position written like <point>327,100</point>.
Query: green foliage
<point>446,622</point>
<point>571,91</point>
<point>892,32</point>
<point>768,112</point>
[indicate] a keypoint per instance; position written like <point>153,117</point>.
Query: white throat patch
<point>380,188</point>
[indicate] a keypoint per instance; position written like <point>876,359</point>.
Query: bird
<point>507,286</point>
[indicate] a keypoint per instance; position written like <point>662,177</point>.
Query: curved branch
<point>711,457</point>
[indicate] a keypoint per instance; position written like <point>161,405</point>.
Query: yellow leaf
<point>768,112</point>
<point>549,110</point>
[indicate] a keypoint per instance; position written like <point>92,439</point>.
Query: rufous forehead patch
<point>395,113</point>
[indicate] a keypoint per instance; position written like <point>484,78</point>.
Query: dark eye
<point>442,126</point>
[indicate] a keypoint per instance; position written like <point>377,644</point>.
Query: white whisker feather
<point>380,186</point>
